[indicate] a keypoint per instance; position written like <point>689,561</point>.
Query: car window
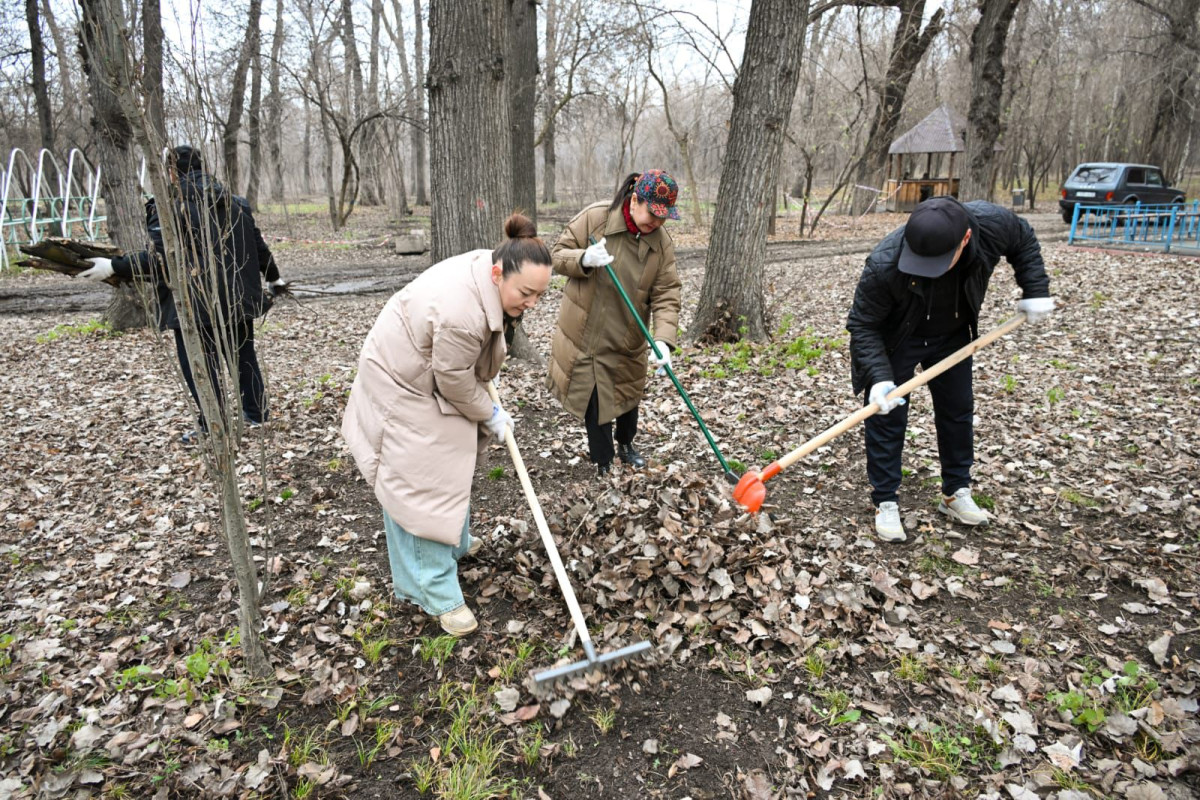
<point>1135,175</point>
<point>1154,178</point>
<point>1089,173</point>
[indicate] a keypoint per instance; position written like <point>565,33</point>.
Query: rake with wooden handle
<point>593,660</point>
<point>750,491</point>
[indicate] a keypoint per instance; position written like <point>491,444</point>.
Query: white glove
<point>1036,309</point>
<point>101,269</point>
<point>499,421</point>
<point>278,286</point>
<point>663,362</point>
<point>596,255</point>
<point>878,395</point>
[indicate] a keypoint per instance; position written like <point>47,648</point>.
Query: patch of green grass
<point>495,473</point>
<point>436,649</point>
<point>931,564</point>
<point>66,331</point>
<point>942,751</point>
<point>1058,363</point>
<point>1075,498</point>
<point>604,719</point>
<point>1010,384</point>
<point>786,351</point>
<point>1098,300</point>
<point>1054,395</point>
<point>911,668</point>
<point>736,466</point>
<point>984,501</point>
<point>531,741</point>
<point>815,665</point>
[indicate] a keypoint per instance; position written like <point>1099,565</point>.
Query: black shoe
<point>603,469</point>
<point>631,456</point>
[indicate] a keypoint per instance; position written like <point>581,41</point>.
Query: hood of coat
<point>195,186</point>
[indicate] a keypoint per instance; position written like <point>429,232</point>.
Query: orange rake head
<point>751,491</point>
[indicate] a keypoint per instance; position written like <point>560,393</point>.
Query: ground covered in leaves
<point>1050,654</point>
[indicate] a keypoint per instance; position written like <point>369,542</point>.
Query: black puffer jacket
<point>888,303</point>
<point>211,219</point>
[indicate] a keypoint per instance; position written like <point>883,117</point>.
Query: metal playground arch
<point>35,202</point>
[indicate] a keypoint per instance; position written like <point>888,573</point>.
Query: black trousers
<point>250,380</point>
<point>953,415</point>
<point>600,437</point>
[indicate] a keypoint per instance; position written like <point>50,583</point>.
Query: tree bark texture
<point>237,98</point>
<point>987,86</point>
<point>732,295</point>
<point>550,95</point>
<point>419,138</point>
<point>41,96</point>
<point>1175,107</point>
<point>468,111</point>
<point>152,65</point>
<point>102,38</point>
<point>254,128</point>
<point>275,109</point>
<point>521,68</point>
<point>909,45</point>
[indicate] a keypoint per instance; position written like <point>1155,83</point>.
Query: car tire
<point>1067,216</point>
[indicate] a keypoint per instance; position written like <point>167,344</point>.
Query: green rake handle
<point>730,475</point>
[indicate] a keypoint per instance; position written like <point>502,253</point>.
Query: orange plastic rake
<point>751,490</point>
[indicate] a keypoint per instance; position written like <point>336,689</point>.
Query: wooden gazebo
<point>908,181</point>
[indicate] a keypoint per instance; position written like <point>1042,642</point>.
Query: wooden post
<point>950,180</point>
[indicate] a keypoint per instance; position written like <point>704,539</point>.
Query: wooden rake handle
<point>560,572</point>
<point>821,439</point>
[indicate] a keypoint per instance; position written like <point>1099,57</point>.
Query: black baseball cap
<point>187,159</point>
<point>934,231</point>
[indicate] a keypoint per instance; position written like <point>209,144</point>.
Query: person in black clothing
<point>918,301</point>
<point>216,230</point>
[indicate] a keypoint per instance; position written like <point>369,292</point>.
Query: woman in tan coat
<point>598,354</point>
<point>419,411</point>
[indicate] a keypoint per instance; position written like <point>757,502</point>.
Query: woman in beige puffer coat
<point>598,354</point>
<point>419,410</point>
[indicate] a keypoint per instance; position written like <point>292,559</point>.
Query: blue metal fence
<point>1164,227</point>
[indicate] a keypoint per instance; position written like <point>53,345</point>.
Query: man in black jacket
<point>917,302</point>
<point>225,255</point>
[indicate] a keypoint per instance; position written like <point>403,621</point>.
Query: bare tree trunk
<point>469,163</point>
<point>237,98</point>
<point>987,85</point>
<point>41,96</point>
<point>254,128</point>
<point>152,67</point>
<point>908,48</point>
<point>308,178</point>
<point>356,106</point>
<point>521,68</point>
<point>102,35</point>
<point>550,93</point>
<point>732,296</point>
<point>275,108</point>
<point>420,156</point>
<point>412,103</point>
<point>1175,85</point>
<point>71,98</point>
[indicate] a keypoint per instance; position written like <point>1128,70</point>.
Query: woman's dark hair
<point>520,245</point>
<point>624,189</point>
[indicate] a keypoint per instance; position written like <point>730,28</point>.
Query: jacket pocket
<point>633,334</point>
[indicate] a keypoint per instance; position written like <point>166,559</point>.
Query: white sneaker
<point>962,507</point>
<point>887,523</point>
<point>475,546</point>
<point>458,622</point>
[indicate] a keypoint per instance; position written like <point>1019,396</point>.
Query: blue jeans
<point>423,571</point>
